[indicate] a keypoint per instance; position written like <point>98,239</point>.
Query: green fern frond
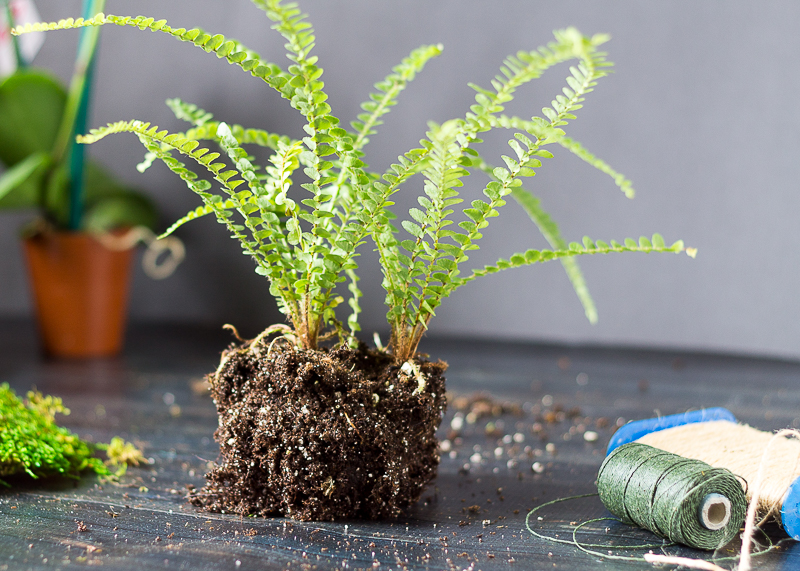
<point>198,212</point>
<point>207,131</point>
<point>378,219</point>
<point>147,162</point>
<point>527,66</point>
<point>292,25</point>
<point>64,24</point>
<point>422,273</point>
<point>158,143</point>
<point>240,159</point>
<point>185,111</point>
<point>325,143</point>
<point>624,184</point>
<point>232,51</point>
<point>573,146</point>
<point>645,245</point>
<point>379,103</point>
<point>201,187</point>
<point>185,146</point>
<point>304,89</point>
<point>549,229</point>
<point>570,44</point>
<point>243,136</point>
<point>441,260</point>
<point>189,112</point>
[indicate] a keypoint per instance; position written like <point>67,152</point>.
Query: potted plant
<point>312,423</point>
<point>79,277</point>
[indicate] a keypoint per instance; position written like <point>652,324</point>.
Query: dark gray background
<point>701,113</point>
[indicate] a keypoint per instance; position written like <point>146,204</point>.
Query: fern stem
<point>419,323</point>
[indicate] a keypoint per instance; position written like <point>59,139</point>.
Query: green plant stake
<point>306,240</point>
<point>84,72</point>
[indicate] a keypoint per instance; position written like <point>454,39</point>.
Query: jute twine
<point>665,493</point>
<point>741,449</point>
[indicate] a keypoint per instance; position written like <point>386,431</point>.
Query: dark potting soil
<point>322,435</point>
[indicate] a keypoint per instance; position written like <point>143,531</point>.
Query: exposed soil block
<point>322,435</point>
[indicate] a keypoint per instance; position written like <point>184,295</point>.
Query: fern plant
<point>306,240</point>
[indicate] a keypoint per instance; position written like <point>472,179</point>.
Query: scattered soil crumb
<point>480,405</point>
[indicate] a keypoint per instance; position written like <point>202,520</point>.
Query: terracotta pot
<point>80,290</point>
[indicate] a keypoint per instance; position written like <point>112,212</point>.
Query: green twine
<point>664,493</point>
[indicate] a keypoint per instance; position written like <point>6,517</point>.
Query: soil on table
<point>322,435</point>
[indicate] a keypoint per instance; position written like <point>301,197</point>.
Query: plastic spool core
<point>715,512</point>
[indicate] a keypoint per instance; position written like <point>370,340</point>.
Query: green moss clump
<point>32,443</point>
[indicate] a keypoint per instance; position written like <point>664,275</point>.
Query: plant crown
<point>307,245</point>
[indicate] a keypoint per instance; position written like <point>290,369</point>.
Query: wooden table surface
<point>472,517</point>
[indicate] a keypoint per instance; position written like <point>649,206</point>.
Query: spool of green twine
<point>686,501</point>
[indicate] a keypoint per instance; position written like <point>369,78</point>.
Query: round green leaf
<point>31,106</point>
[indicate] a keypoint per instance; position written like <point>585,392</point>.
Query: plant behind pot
<point>313,424</point>
<point>79,284</point>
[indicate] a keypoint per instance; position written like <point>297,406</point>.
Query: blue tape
<point>635,430</point>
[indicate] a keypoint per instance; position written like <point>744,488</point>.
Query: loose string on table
<point>608,548</point>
